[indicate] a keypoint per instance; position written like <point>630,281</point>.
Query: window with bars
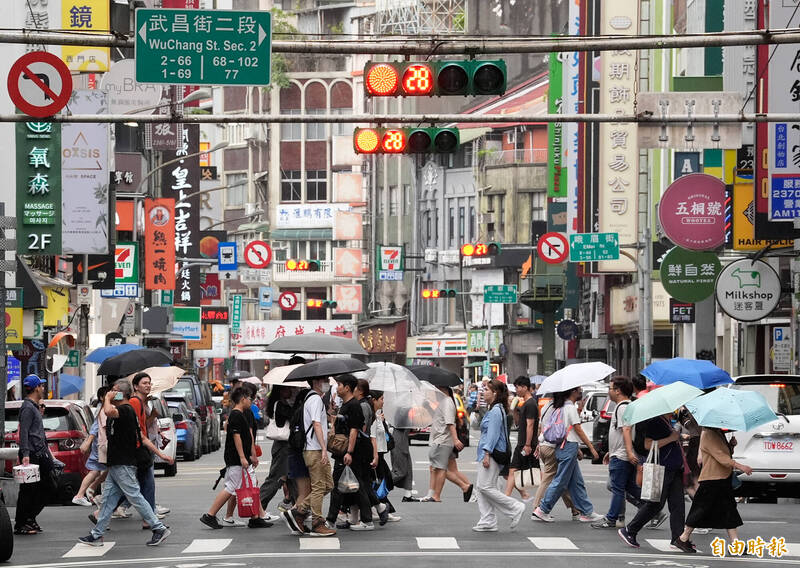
<point>472,234</point>
<point>318,250</point>
<point>451,227</point>
<point>291,183</point>
<point>316,185</point>
<point>291,131</point>
<point>393,200</point>
<point>236,190</point>
<point>538,204</point>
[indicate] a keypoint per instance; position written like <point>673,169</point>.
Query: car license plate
<point>778,446</point>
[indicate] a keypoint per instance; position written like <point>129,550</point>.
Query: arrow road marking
<point>39,83</point>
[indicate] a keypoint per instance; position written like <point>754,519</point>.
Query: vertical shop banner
<point>555,135</point>
<point>571,105</point>
<point>619,150</point>
<point>85,177</point>
<point>348,298</point>
<point>87,16</point>
<point>180,181</point>
<point>38,188</point>
<point>159,253</point>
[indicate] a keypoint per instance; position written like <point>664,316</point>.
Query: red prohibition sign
<point>257,254</point>
<point>553,248</point>
<point>287,301</point>
<point>21,71</point>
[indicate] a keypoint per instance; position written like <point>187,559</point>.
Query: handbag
<point>247,497</point>
<point>652,476</point>
<point>503,458</point>
<point>337,445</point>
<point>278,433</point>
<point>529,477</point>
<point>144,457</point>
<point>348,482</point>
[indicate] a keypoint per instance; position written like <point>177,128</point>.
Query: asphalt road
<point>429,534</point>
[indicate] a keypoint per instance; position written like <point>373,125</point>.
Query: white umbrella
<point>277,375</point>
<point>390,377</point>
<point>413,408</point>
<point>162,378</point>
<point>575,375</point>
<point>252,380</point>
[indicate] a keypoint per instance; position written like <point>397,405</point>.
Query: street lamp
<point>197,95</point>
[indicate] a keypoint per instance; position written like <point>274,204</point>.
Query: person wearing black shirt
<point>123,436</point>
<point>280,410</point>
<point>528,422</point>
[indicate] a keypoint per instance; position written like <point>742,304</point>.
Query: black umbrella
<point>134,361</point>
<point>436,376</point>
<point>324,368</point>
<point>238,374</point>
<point>316,343</point>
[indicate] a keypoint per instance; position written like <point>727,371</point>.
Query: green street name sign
<point>203,47</point>
<point>500,294</point>
<point>593,247</point>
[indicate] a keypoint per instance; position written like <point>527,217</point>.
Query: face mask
<point>118,396</point>
<point>326,388</point>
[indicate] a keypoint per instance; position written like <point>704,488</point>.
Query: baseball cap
<point>33,381</point>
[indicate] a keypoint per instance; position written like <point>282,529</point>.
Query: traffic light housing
<point>434,78</point>
<point>405,140</point>
<point>324,304</point>
<point>302,265</point>
<point>480,249</point>
<point>429,294</point>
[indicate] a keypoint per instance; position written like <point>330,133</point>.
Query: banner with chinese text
<point>159,254</point>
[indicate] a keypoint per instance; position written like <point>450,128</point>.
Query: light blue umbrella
<point>699,373</point>
<point>662,400</point>
<point>102,353</point>
<point>69,384</point>
<point>731,409</point>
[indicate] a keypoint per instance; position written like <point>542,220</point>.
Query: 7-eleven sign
<point>126,263</point>
<point>390,258</point>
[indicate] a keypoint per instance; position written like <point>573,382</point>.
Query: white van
<point>772,450</point>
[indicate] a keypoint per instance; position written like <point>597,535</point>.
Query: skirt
<point>714,506</point>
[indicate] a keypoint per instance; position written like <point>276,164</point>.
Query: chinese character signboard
<point>85,16</point>
<point>554,130</point>
<point>348,262</point>
<point>689,276</point>
<point>619,151</point>
<point>210,288</point>
<point>159,253</point>
<point>691,212</point>
<point>748,290</point>
<point>476,342</point>
<point>264,332</point>
<point>681,312</point>
<point>384,338</point>
<point>38,188</point>
<point>308,216</point>
<point>214,314</point>
<point>85,178</point>
<point>236,314</point>
<point>348,298</point>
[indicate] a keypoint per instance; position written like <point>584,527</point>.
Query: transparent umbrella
<point>389,377</point>
<point>412,408</point>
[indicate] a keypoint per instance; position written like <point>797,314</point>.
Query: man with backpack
<point>311,421</point>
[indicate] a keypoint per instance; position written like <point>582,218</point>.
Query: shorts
<point>94,465</point>
<point>297,466</point>
<point>234,478</point>
<point>439,456</point>
<point>518,461</point>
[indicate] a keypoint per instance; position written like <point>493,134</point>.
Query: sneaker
<point>161,516</point>
<point>361,526</point>
<point>270,518</point>
<point>121,513</point>
<point>285,505</point>
<point>683,546</point>
<point>576,517</point>
<point>410,500</point>
<point>82,501</point>
<point>517,517</point>
<point>590,518</point>
<point>159,537</point>
<point>210,521</point>
<point>342,524</point>
<point>484,528</point>
<point>702,531</point>
<point>161,510</point>
<point>258,523</point>
<point>231,522</point>
<point>91,540</point>
<point>542,516</point>
<point>394,517</point>
<point>320,528</point>
<point>289,519</point>
<point>628,538</point>
<point>658,520</point>
<point>330,525</point>
<point>383,516</point>
<point>604,523</point>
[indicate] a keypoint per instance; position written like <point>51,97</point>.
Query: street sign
<point>390,275</point>
<point>265,297</point>
<point>39,84</point>
<point>689,276</point>
<point>167,297</point>
<point>593,247</point>
<point>553,248</point>
<point>186,322</point>
<point>121,291</point>
<point>681,312</point>
<point>13,369</point>
<point>567,329</point>
<point>287,301</point>
<point>500,294</point>
<point>252,275</point>
<point>257,254</point>
<point>203,47</point>
<point>84,294</point>
<point>226,257</point>
<point>748,290</point>
<point>236,315</point>
<point>73,359</point>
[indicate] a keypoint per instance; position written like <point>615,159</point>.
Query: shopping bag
<point>652,476</point>
<point>527,478</point>
<point>247,497</point>
<point>381,491</point>
<point>348,482</point>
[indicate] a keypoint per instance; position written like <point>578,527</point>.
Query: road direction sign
<point>500,294</point>
<point>203,47</point>
<point>39,84</point>
<point>593,247</point>
<point>226,257</point>
<point>257,254</point>
<point>748,290</point>
<point>553,248</point>
<point>287,301</point>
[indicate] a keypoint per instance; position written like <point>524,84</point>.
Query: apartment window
<point>468,155</point>
<point>472,234</point>
<point>341,128</point>
<point>290,185</point>
<point>315,130</point>
<point>538,204</point>
<point>236,190</point>
<point>317,250</point>
<point>316,185</point>
<point>501,211</point>
<point>461,224</point>
<point>236,134</point>
<point>291,131</point>
<point>428,234</point>
<point>406,199</point>
<point>451,226</point>
<point>393,200</point>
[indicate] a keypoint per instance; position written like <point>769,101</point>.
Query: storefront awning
<point>301,234</point>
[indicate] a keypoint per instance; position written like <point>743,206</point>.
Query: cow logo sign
<point>748,290</point>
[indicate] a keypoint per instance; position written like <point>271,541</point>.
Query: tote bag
<point>247,497</point>
<point>528,478</point>
<point>278,433</point>
<point>652,476</point>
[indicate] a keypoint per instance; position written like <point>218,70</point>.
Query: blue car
<point>186,429</point>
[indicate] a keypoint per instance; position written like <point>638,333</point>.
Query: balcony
<point>324,274</point>
<point>525,170</point>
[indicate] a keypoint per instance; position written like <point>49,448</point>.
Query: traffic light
<point>428,294</point>
<point>302,265</point>
<point>434,78</point>
<point>324,304</point>
<point>405,140</point>
<point>480,249</point>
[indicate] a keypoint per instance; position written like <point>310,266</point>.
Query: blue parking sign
<point>14,369</point>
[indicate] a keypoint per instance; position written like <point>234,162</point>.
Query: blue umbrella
<point>102,353</point>
<point>69,384</point>
<point>699,373</point>
<point>731,409</point>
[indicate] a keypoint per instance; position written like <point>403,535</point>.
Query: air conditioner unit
<point>486,218</point>
<point>250,208</point>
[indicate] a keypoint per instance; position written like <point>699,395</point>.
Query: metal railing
<point>522,156</point>
<point>281,274</point>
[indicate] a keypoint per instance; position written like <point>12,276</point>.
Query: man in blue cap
<point>33,450</point>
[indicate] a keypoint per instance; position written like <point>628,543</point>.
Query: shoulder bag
<point>503,458</point>
<point>277,433</point>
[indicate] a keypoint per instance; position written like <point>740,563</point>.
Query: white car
<point>593,402</point>
<point>772,450</point>
<point>166,427</point>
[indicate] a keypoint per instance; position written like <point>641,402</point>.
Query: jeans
<point>490,498</point>
<point>672,494</point>
<point>146,477</point>
<point>278,470</point>
<point>622,476</point>
<point>549,466</point>
<point>568,476</point>
<point>121,481</point>
<point>321,483</point>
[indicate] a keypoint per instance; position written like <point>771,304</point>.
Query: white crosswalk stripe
<point>437,543</point>
<point>792,549</point>
<point>207,545</point>
<point>81,550</point>
<point>327,543</point>
<point>552,543</point>
<point>660,544</point>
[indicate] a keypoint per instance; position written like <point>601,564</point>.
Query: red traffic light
<point>366,141</point>
<point>480,249</point>
<point>307,265</point>
<point>381,80</point>
<point>418,80</point>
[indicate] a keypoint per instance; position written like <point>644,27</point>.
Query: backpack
<point>554,430</point>
<point>297,434</point>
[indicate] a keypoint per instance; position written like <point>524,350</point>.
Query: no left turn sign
<point>287,301</point>
<point>553,248</point>
<point>39,84</point>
